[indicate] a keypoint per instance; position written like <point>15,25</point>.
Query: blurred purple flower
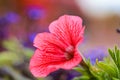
<point>93,54</point>
<point>62,74</point>
<point>12,17</point>
<point>32,36</point>
<point>72,74</point>
<point>3,28</point>
<point>35,13</point>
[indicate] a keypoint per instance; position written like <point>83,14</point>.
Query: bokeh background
<point>21,20</point>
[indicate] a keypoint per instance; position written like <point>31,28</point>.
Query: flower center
<point>69,53</point>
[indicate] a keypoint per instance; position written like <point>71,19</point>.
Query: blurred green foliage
<point>14,61</point>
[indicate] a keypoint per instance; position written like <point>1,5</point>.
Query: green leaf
<point>115,78</point>
<point>110,69</point>
<point>7,58</point>
<point>115,55</point>
<point>82,78</point>
<point>112,54</point>
<point>12,45</point>
<point>96,72</point>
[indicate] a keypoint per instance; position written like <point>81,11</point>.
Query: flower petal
<point>68,28</point>
<point>41,64</point>
<point>43,40</point>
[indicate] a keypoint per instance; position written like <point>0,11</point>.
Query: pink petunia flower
<point>57,49</point>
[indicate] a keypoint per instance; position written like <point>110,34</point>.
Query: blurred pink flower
<point>58,49</point>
